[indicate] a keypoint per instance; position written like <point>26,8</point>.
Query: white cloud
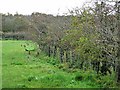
<point>43,6</point>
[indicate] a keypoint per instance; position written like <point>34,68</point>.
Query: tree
<point>118,36</point>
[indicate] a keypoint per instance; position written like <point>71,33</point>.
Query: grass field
<point>20,70</point>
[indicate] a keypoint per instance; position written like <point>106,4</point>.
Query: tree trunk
<point>67,56</point>
<point>118,53</point>
<point>118,64</point>
<point>49,52</point>
<point>118,74</point>
<point>61,55</point>
<point>73,57</point>
<point>55,50</point>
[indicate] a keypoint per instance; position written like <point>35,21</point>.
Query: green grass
<point>20,70</point>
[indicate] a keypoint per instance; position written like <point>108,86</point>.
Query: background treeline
<point>89,38</point>
<point>36,23</point>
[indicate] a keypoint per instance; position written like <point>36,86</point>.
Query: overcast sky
<point>42,6</point>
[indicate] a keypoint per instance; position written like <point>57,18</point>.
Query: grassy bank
<point>21,70</point>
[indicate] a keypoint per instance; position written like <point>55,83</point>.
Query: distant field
<point>20,70</point>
